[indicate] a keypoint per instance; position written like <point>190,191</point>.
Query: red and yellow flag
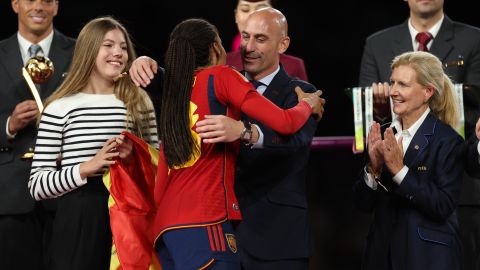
<point>132,207</point>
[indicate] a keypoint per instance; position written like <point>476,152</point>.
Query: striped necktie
<point>256,84</point>
<point>34,50</point>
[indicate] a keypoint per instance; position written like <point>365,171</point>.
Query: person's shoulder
<point>60,107</point>
<point>306,86</point>
<point>233,54</point>
<point>234,59</point>
<point>447,22</point>
<point>225,72</point>
<point>445,131</point>
<point>291,61</point>
<point>63,38</point>
<point>222,69</point>
<point>291,58</point>
<point>466,29</point>
<point>299,82</point>
<point>9,41</point>
<point>386,33</point>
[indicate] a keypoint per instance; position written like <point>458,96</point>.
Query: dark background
<point>329,36</point>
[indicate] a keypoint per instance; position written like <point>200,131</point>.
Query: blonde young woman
<point>79,136</point>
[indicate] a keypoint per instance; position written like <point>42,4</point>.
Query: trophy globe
<point>37,70</point>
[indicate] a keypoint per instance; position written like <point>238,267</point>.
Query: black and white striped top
<point>72,130</point>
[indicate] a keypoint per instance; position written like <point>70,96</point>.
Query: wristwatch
<point>246,135</point>
<point>376,176</point>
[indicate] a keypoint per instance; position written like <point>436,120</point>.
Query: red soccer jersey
<point>201,192</point>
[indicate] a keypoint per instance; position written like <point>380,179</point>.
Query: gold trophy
<point>37,70</point>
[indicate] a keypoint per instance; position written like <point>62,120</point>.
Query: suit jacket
<point>270,184</point>
<point>14,195</point>
<point>294,66</point>
<point>155,90</point>
<point>472,164</point>
<point>415,225</point>
<point>454,41</point>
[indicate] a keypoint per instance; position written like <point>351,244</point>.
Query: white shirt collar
<point>24,44</point>
<point>267,79</point>
<point>413,128</point>
<point>433,30</point>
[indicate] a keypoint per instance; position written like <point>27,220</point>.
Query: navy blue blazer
<point>415,225</point>
<point>270,184</point>
<point>454,40</point>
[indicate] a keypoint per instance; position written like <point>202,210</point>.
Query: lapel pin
<point>416,147</point>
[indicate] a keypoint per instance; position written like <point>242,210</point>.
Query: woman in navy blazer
<point>413,178</point>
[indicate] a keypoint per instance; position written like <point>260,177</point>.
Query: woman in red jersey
<point>194,187</point>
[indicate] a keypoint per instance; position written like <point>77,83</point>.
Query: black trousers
<point>469,221</point>
<point>250,262</point>
<point>81,236</point>
<point>21,245</point>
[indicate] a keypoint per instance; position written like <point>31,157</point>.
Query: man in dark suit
<point>457,45</point>
<point>412,181</point>
<point>294,66</point>
<point>270,180</point>
<point>22,221</point>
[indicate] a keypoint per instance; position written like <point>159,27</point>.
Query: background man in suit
<point>294,66</point>
<point>413,179</point>
<point>23,223</point>
<point>270,181</point>
<point>451,42</point>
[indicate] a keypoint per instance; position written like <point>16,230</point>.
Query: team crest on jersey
<point>232,243</point>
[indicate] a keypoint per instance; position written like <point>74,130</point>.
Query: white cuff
<point>259,143</point>
<point>398,178</point>
<point>76,176</point>
<point>9,135</point>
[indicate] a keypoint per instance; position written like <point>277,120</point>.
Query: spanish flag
<point>132,207</point>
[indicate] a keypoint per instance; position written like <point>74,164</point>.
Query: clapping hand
<point>392,151</point>
<point>375,147</point>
